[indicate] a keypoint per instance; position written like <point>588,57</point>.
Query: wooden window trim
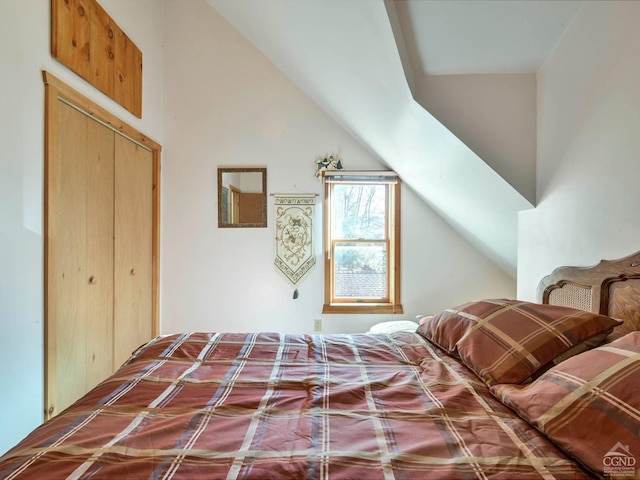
<point>393,305</point>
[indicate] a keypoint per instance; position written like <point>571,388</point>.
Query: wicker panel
<point>571,295</point>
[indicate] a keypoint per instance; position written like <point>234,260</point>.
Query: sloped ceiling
<point>344,55</point>
<point>445,37</point>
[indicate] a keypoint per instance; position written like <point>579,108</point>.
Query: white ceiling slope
<point>344,56</point>
<point>447,37</point>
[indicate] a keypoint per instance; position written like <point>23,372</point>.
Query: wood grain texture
<point>624,302</point>
<point>102,45</point>
<point>614,287</point>
<point>80,150</point>
<point>99,157</point>
<point>89,42</point>
<point>93,109</point>
<point>82,266</point>
<point>133,274</point>
<point>70,240</point>
<point>70,32</point>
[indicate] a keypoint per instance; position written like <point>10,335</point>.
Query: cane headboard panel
<point>611,287</point>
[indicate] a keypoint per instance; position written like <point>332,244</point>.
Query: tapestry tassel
<point>295,294</point>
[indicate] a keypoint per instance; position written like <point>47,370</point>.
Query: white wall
<point>24,53</point>
<point>588,147</point>
<point>494,115</point>
<point>227,105</point>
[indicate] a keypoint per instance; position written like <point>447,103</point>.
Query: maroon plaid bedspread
<point>275,406</point>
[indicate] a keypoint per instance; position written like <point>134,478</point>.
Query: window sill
<point>385,308</point>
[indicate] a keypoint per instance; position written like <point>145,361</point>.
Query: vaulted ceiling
<point>446,37</point>
<point>355,58</point>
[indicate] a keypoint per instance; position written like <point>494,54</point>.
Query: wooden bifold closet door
<point>132,253</point>
<point>100,249</point>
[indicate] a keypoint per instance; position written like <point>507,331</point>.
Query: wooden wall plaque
<point>85,39</point>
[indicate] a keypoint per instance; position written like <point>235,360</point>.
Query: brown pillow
<point>593,342</point>
<point>509,341</point>
<point>589,405</point>
<point>446,328</point>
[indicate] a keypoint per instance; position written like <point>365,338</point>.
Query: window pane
<point>360,270</point>
<point>358,211</point>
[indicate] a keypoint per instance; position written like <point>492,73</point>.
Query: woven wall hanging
<point>294,255</point>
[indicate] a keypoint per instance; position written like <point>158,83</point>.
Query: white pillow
<point>394,326</point>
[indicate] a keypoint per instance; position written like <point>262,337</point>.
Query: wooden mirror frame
<point>262,223</point>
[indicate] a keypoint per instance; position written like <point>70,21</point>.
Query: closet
<point>101,244</point>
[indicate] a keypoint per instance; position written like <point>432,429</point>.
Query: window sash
<point>390,301</point>
<point>388,203</point>
<point>384,298</point>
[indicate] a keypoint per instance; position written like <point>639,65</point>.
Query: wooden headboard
<point>612,287</point>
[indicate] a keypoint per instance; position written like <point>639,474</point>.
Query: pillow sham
<point>593,342</point>
<point>446,328</point>
<point>589,405</point>
<point>509,341</point>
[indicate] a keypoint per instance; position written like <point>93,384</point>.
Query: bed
<point>494,388</point>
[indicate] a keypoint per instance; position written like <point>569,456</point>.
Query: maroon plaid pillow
<point>509,341</point>
<point>589,405</point>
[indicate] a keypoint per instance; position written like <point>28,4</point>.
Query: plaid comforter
<point>275,406</point>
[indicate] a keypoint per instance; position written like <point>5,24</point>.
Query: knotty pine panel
<point>85,39</point>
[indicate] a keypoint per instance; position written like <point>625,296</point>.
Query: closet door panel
<point>133,247</point>
<point>80,256</point>
<point>100,191</point>
<point>68,330</point>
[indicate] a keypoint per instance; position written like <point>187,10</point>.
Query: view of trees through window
<point>362,242</point>
<point>359,229</point>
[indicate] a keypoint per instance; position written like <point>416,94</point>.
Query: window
<point>362,242</point>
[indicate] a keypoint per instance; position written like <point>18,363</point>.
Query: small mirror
<point>242,197</point>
